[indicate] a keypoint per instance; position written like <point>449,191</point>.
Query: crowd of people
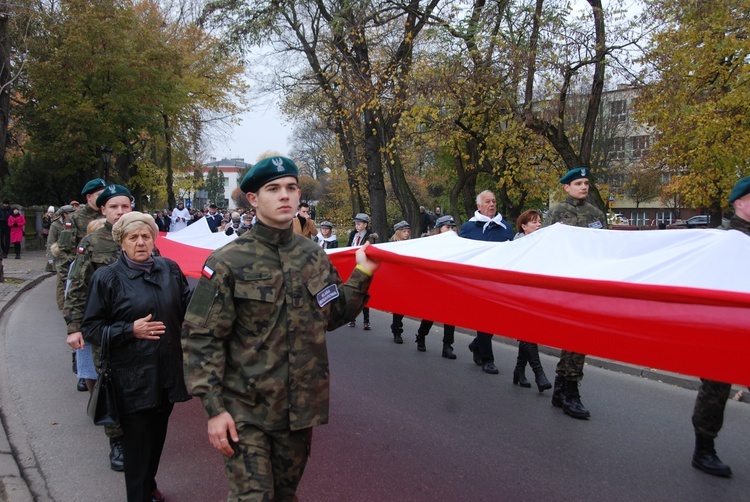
<point>261,299</point>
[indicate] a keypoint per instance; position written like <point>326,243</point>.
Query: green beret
<point>740,189</point>
<point>268,170</point>
<point>401,225</point>
<point>112,191</point>
<point>93,186</point>
<point>575,174</point>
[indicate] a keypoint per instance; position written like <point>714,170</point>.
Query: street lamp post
<point>106,157</point>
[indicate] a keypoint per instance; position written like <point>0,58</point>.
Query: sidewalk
<point>20,275</point>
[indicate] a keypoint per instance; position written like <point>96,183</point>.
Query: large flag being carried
<point>676,300</point>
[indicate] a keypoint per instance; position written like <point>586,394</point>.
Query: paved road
<point>405,426</point>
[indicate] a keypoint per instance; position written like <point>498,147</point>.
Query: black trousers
<point>142,443</point>
<point>5,238</point>
<point>483,342</point>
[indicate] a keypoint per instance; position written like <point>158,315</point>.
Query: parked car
<point>699,221</point>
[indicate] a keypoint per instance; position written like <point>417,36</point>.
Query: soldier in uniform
<point>254,338</point>
<point>53,251</point>
<point>75,227</point>
<point>708,415</point>
<point>575,211</point>
<point>486,225</point>
<point>95,251</point>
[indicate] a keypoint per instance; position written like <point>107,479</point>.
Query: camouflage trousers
<point>267,465</point>
<point>570,365</point>
<point>708,414</point>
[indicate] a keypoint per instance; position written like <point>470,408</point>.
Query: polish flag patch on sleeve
<point>80,250</point>
<point>207,272</point>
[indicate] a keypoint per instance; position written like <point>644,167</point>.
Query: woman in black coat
<point>139,302</point>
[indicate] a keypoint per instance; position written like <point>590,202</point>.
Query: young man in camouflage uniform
<point>75,227</point>
<point>708,415</point>
<point>97,250</point>
<point>254,338</point>
<point>574,211</point>
<point>53,252</point>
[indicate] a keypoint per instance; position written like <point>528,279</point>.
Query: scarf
<point>498,220</point>
<point>322,239</point>
<point>144,266</point>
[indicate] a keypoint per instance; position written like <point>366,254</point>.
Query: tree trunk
<point>375,181</point>
<point>168,162</point>
<point>5,84</point>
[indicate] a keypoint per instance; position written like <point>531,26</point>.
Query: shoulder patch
<point>207,272</point>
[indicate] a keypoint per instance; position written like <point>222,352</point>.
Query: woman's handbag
<point>102,407</point>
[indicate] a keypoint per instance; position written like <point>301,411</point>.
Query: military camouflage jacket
<point>54,233</point>
<point>74,231</point>
<point>95,251</point>
<point>254,333</point>
<point>577,213</point>
<point>737,223</point>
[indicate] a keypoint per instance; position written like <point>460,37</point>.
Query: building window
<point>640,145</point>
<point>618,149</point>
<point>639,218</point>
<point>618,110</point>
<point>224,180</point>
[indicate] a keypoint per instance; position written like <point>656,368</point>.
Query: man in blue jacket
<point>486,225</point>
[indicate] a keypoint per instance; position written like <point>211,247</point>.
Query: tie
<point>357,243</point>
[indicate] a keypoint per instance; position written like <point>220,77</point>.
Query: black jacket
<point>142,369</point>
<point>369,236</point>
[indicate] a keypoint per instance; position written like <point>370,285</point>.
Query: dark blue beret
<point>93,186</point>
<point>267,170</point>
<point>740,189</point>
<point>112,191</point>
<point>575,174</point>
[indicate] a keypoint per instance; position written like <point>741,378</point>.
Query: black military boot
<point>519,373</point>
<point>705,459</point>
<point>572,404</point>
<point>420,343</point>
<point>448,351</point>
<point>116,456</point>
<point>558,395</point>
<point>532,354</point>
<point>397,336</point>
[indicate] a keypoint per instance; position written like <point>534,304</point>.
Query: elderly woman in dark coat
<point>139,301</point>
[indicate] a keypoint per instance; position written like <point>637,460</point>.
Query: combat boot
<point>420,343</point>
<point>116,456</point>
<point>519,373</point>
<point>558,395</point>
<point>572,405</point>
<point>705,459</point>
<point>532,354</point>
<point>448,351</point>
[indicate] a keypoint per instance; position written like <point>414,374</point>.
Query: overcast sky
<point>263,129</point>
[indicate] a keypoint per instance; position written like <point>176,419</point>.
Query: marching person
<point>401,232</point>
<point>95,251</point>
<point>575,211</point>
<point>708,414</point>
<point>358,237</point>
<point>527,223</point>
<point>326,239</point>
<point>443,224</point>
<point>139,302</point>
<point>53,251</point>
<point>486,225</point>
<point>254,338</point>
